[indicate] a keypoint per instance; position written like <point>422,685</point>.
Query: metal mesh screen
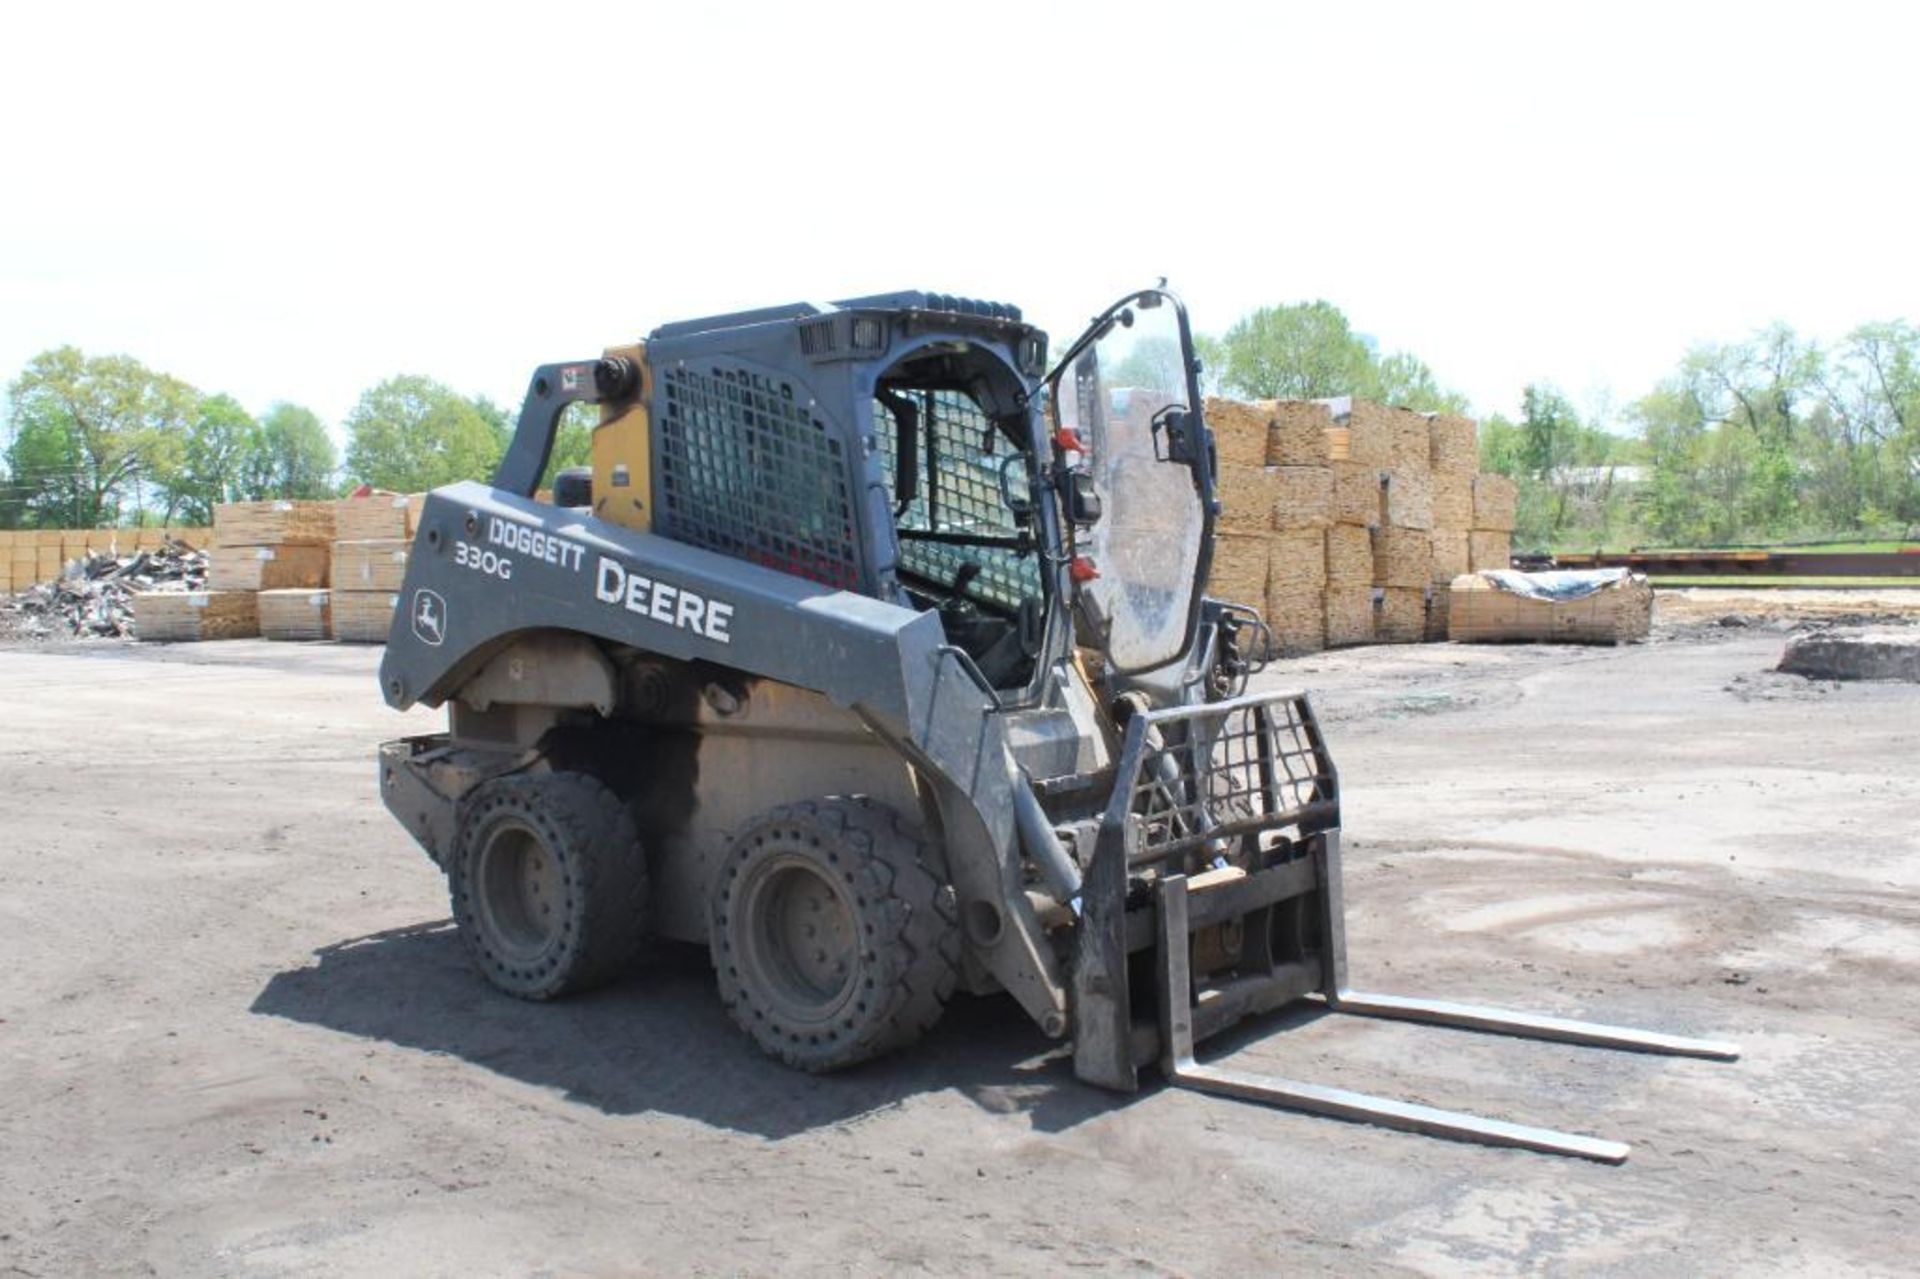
<point>746,470</point>
<point>1212,771</point>
<point>966,478</point>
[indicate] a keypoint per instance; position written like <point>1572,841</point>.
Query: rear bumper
<point>407,786</point>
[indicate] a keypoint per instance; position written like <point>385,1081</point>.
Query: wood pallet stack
<point>30,556</point>
<point>1355,515</point>
<point>363,617</point>
<point>1482,612</point>
<point>265,546</point>
<point>294,614</point>
<point>196,615</point>
<point>370,561</point>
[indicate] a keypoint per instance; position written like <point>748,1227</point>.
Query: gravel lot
<point>238,1037</point>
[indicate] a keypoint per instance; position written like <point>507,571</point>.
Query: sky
<point>295,202</point>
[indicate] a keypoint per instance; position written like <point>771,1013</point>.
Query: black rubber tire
<point>549,884</point>
<point>887,981</point>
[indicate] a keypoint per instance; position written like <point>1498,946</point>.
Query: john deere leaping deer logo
<point>429,617</point>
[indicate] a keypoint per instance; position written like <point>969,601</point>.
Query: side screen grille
<point>745,469</point>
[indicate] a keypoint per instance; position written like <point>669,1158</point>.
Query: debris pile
<point>93,596</point>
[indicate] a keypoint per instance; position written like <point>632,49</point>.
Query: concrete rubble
<point>1855,654</point>
<point>93,596</point>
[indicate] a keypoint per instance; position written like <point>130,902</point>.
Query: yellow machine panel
<point>623,451</point>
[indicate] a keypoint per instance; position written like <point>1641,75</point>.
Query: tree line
<point>98,441</point>
<point>1770,438</point>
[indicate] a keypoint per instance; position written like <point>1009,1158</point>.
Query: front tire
<point>832,940</point>
<point>549,884</point>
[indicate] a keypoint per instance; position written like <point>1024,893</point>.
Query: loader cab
<point>912,447</point>
<point>953,436</point>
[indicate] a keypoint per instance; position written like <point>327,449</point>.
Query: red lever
<point>1067,440</point>
<point>1082,569</point>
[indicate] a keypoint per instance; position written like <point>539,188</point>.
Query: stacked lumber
<point>373,535</point>
<point>1400,442</point>
<point>1491,544</point>
<point>267,546</point>
<point>1453,460</point>
<point>196,615</point>
<point>363,617</point>
<point>266,568</point>
<point>1481,611</point>
<point>1360,515</point>
<point>375,564</point>
<point>294,615</point>
<point>366,575</point>
<point>377,515</point>
<point>276,523</point>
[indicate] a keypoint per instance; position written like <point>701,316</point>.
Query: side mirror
<point>1082,500</point>
<point>1176,425</point>
<point>1019,503</point>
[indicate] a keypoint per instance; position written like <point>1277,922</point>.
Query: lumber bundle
<point>362,617</point>
<point>1356,494</point>
<point>1480,611</point>
<point>273,523</point>
<point>1450,555</point>
<point>1452,502</point>
<point>1246,496</point>
<point>1406,498</point>
<point>379,515</point>
<point>1297,616</point>
<point>1402,616</point>
<point>1302,497</point>
<point>1239,431</point>
<point>294,615</point>
<point>1370,435</point>
<point>1455,446</point>
<point>376,564</point>
<point>1489,549</point>
<point>1300,433</point>
<point>266,568</point>
<point>1349,556</point>
<point>1495,499</point>
<point>1402,556</point>
<point>1393,498</point>
<point>195,615</point>
<point>1349,616</point>
<point>1240,569</point>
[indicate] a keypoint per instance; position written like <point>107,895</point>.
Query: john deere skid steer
<point>874,657</point>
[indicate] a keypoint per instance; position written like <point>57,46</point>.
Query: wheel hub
<point>801,937</point>
<point>521,890</point>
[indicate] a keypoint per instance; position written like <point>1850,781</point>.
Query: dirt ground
<point>237,1036</point>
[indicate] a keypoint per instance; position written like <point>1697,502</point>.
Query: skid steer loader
<point>874,657</point>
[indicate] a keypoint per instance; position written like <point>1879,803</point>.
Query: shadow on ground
<point>660,1042</point>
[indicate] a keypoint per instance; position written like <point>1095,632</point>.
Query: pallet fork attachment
<point>1297,778</point>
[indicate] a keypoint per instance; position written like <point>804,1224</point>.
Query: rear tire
<point>832,940</point>
<point>549,884</point>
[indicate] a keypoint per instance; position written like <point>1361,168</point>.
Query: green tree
<point>1305,351</point>
<point>297,454</point>
<point>219,461</point>
<point>572,440</point>
<point>1500,446</point>
<point>411,433</point>
<point>1405,380</point>
<point>84,433</point>
<point>1308,351</point>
